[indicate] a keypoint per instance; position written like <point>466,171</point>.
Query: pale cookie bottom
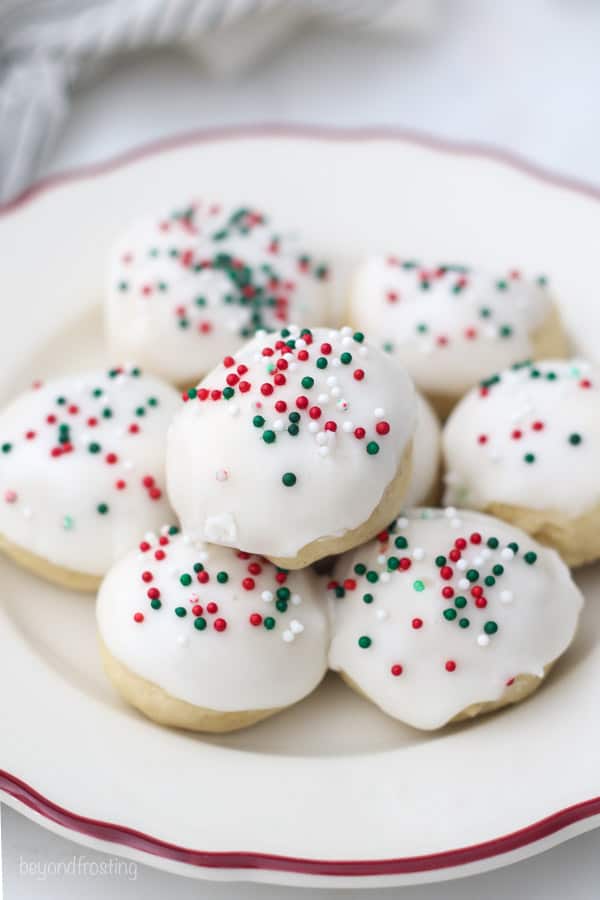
<point>548,342</point>
<point>68,578</point>
<point>576,539</point>
<point>385,512</point>
<point>520,688</point>
<point>161,707</point>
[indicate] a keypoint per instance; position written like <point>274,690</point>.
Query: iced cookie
<point>296,448</point>
<point>190,287</point>
<point>208,638</point>
<point>82,471</point>
<point>525,446</point>
<point>425,482</point>
<point>450,326</point>
<point>449,614</point>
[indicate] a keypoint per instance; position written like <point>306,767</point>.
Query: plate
<point>331,791</point>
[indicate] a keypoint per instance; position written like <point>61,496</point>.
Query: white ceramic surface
<point>330,792</point>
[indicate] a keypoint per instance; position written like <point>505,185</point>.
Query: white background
<point>519,74</point>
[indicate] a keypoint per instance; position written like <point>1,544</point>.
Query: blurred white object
<point>45,48</point>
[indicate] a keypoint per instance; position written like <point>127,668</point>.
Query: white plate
<point>332,791</point>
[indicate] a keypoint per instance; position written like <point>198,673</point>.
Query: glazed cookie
<point>82,470</point>
<point>187,289</point>
<point>525,447</point>
<point>449,614</point>
<point>296,448</point>
<point>425,482</point>
<point>208,638</point>
<point>450,326</point>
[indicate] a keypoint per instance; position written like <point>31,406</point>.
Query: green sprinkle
<point>490,627</point>
<point>307,382</point>
<point>513,546</point>
<point>6,448</point>
<point>530,557</point>
<point>102,508</point>
<point>502,285</point>
<point>401,543</point>
<point>460,602</point>
<point>489,580</point>
<point>294,417</point>
<point>155,604</point>
<point>418,586</point>
<point>269,623</point>
<point>440,561</point>
<point>422,328</point>
<point>498,569</point>
<point>198,567</point>
<point>358,337</point>
<point>140,411</point>
<point>450,614</point>
<point>200,623</point>
<point>173,529</point>
<point>222,577</point>
<point>269,436</point>
<point>192,394</point>
<point>505,331</point>
<point>493,543</point>
<point>529,457</point>
<point>152,401</point>
<point>321,363</point>
<point>393,563</point>
<point>472,575</point>
<point>180,611</point>
<point>282,605</point>
<point>289,479</point>
<point>94,447</point>
<point>186,579</point>
<point>575,439</point>
<point>258,421</point>
<point>68,523</point>
<point>372,577</point>
<point>464,623</point>
<point>360,569</point>
<point>368,598</point>
<point>97,392</point>
<point>364,642</point>
<point>228,393</point>
<point>346,358</point>
<point>293,429</point>
<point>372,448</point>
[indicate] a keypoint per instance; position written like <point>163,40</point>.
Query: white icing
<point>150,291</point>
<point>490,436</point>
<point>533,629</point>
<point>426,455</point>
<point>243,667</point>
<point>462,337</point>
<point>332,493</point>
<point>49,504</point>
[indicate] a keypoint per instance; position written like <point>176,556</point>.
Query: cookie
<point>82,470</point>
<point>425,483</point>
<point>450,326</point>
<point>186,289</point>
<point>449,614</point>
<point>296,448</point>
<point>525,446</point>
<point>208,638</point>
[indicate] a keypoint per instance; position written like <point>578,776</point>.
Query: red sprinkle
<point>219,624</point>
<point>450,665</point>
<point>396,669</point>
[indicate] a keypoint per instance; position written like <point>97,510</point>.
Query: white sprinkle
<point>379,412</point>
<point>402,522</point>
<point>486,553</point>
<point>182,640</point>
<point>463,584</point>
<point>150,537</point>
<point>461,564</point>
<point>483,640</point>
<point>385,577</point>
<point>313,427</point>
<point>27,512</point>
<point>300,344</point>
<point>336,391</point>
<point>381,558</point>
<point>364,351</point>
<point>186,539</point>
<point>288,636</point>
<point>261,333</point>
<point>292,367</point>
<point>450,512</point>
<point>347,427</point>
<point>506,596</point>
<point>233,409</point>
<point>507,554</point>
<point>323,451</point>
<point>278,425</point>
<point>456,523</point>
<point>335,362</point>
<point>331,381</point>
<point>345,331</point>
<point>321,438</point>
<point>267,596</point>
<point>296,627</point>
<point>128,464</point>
<point>346,341</point>
<point>296,599</point>
<point>478,561</point>
<point>381,614</point>
<point>202,555</point>
<point>418,553</point>
<point>323,398</point>
<point>495,455</point>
